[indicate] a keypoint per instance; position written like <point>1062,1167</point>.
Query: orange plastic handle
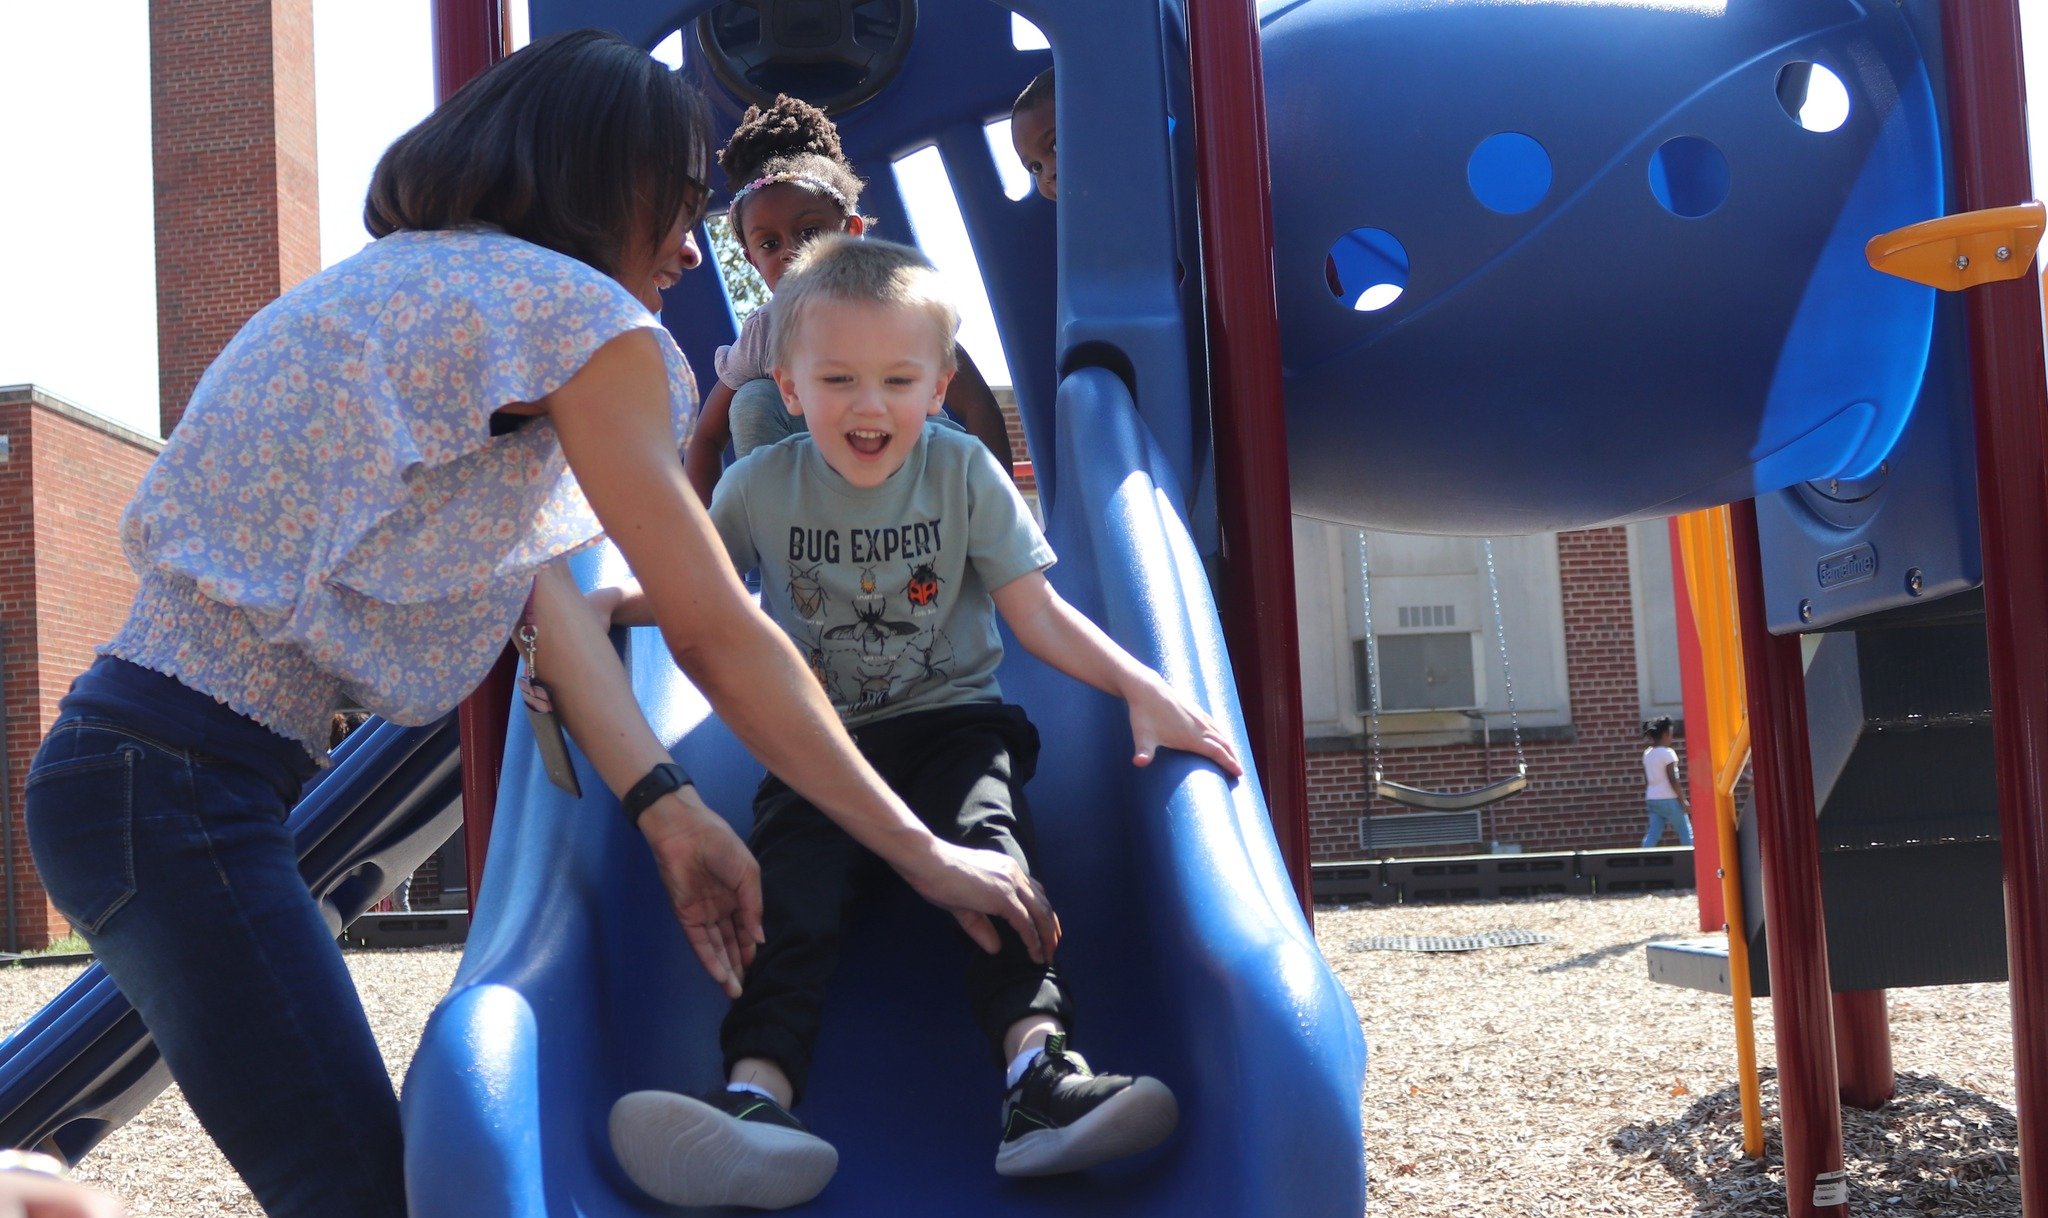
<point>1963,250</point>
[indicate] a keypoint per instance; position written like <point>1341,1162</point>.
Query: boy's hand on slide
<point>713,883</point>
<point>976,885</point>
<point>1161,718</point>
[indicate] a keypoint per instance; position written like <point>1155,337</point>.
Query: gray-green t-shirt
<point>885,590</point>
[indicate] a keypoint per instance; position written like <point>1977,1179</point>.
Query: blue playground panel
<point>1682,318</point>
<point>1189,957</point>
<point>1837,549</point>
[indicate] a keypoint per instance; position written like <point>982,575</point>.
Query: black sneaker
<point>721,1148</point>
<point>1062,1116</point>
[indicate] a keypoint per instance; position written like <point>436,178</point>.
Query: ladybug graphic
<point>923,589</point>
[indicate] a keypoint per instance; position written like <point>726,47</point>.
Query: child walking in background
<point>1666,795</point>
<point>887,548</point>
<point>791,184</point>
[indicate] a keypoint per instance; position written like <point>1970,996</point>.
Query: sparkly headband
<point>807,180</point>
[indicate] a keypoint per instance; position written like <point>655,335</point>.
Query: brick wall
<point>64,586</point>
<point>1585,789</point>
<point>1006,397</point>
<point>237,203</point>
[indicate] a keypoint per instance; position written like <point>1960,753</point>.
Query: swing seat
<point>1449,801</point>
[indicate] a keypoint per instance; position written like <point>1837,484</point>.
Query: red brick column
<point>237,198</point>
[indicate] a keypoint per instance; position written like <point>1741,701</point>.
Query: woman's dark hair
<point>570,143</point>
<point>1657,727</point>
<point>1037,93</point>
<point>790,136</point>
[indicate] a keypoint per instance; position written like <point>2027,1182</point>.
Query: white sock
<point>1022,1062</point>
<point>754,1089</point>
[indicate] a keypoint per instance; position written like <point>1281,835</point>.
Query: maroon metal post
<point>1988,130</point>
<point>1863,1049</point>
<point>482,719</point>
<point>469,36</point>
<point>1234,188</point>
<point>1788,833</point>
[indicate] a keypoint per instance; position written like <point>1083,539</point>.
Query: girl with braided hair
<point>790,183</point>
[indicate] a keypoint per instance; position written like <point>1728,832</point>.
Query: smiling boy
<point>886,549</point>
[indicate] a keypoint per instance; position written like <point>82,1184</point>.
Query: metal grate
<point>1413,616</point>
<point>1512,936</point>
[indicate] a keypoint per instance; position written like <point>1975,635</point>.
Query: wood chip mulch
<point>1557,1079</point>
<point>1548,1080</point>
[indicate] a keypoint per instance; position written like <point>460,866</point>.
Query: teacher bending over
<point>370,484</point>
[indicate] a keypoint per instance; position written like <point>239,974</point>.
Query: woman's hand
<point>975,885</point>
<point>1161,718</point>
<point>713,882</point>
<point>603,603</point>
<point>25,1194</point>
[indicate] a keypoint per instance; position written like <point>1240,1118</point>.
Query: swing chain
<point>1372,664</point>
<point>1500,635</point>
<point>1372,661</point>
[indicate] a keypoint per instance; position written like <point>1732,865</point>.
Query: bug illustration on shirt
<point>923,589</point>
<point>928,654</point>
<point>872,631</point>
<point>875,685</point>
<point>806,594</point>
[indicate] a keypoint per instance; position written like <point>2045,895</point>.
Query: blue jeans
<point>1663,812</point>
<point>178,869</point>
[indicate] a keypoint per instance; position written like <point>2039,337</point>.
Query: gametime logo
<point>1847,567</point>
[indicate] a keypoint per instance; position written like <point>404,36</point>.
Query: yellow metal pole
<point>1709,577</point>
<point>1738,947</point>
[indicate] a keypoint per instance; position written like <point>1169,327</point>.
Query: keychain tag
<point>548,736</point>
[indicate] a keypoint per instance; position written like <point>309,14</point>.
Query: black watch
<point>660,781</point>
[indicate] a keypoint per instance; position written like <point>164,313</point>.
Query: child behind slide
<point>790,184</point>
<point>1035,134</point>
<point>886,549</point>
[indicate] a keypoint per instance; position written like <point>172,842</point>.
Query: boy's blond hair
<point>859,272</point>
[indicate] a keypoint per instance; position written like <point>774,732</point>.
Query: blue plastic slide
<point>85,1064</point>
<point>1188,956</point>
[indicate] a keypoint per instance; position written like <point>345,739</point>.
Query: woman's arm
<point>613,420</point>
<point>712,879</point>
<point>1063,637</point>
<point>970,397</point>
<point>705,459</point>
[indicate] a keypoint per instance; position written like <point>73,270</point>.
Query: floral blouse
<point>332,519</point>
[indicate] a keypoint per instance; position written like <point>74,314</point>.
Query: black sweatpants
<point>962,770</point>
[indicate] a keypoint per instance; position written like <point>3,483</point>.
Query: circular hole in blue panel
<point>1509,172</point>
<point>1813,96</point>
<point>1689,176</point>
<point>1367,269</point>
